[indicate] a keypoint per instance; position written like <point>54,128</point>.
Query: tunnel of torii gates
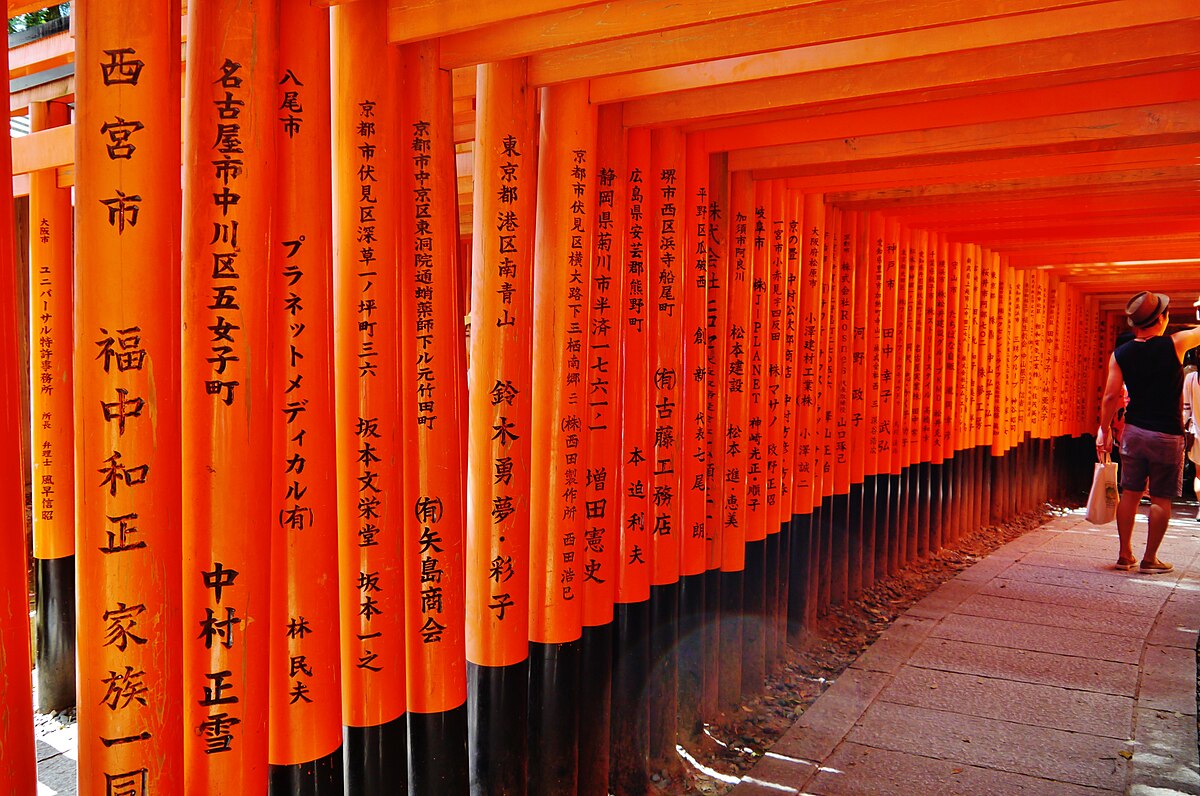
<point>336,490</point>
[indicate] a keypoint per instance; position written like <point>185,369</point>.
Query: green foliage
<point>35,18</point>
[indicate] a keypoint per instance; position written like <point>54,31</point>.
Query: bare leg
<point>1160,515</point>
<point>1126,513</point>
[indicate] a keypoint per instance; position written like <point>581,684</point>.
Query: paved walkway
<point>1039,670</point>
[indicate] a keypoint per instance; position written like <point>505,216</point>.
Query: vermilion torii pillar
<point>127,409</point>
<point>630,716</point>
<point>433,403</point>
<point>226,392</point>
<point>53,433</point>
<point>603,405</point>
<point>562,260</point>
<point>305,674</point>
<point>19,772</point>
<point>666,210</point>
<point>371,512</point>
<point>501,374</point>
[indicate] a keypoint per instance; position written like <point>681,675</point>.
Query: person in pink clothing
<point>1150,367</point>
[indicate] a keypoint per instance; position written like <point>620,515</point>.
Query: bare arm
<point>1113,393</point>
<point>1187,339</point>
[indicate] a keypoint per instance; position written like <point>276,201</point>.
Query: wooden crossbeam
<point>417,20</point>
<point>1171,44</point>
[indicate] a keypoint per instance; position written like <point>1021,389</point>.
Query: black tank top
<point>1154,377</point>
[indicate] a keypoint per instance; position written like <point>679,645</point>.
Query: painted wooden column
<point>887,232</point>
<point>305,741</point>
<point>371,508</point>
<point>951,485</point>
<point>875,485</point>
<point>433,404</point>
<point>19,772</point>
<point>861,519</point>
<point>500,382</point>
<point>918,416</point>
<point>802,605</point>
<point>127,404</point>
<point>667,205</point>
<point>827,369</point>
<point>754,585</point>
<point>227,392</point>
<point>716,324</point>
<point>901,385</point>
<point>603,411</point>
<point>846,514</point>
<point>52,437</point>
<point>790,362</point>
<point>631,647</point>
<point>692,224</point>
<point>738,289</point>
<point>562,260</point>
<point>773,419</point>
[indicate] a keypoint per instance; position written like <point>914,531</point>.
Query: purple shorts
<point>1154,456</point>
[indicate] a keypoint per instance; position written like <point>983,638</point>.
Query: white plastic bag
<point>1102,500</point>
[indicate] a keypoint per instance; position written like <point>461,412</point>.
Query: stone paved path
<point>1039,670</point>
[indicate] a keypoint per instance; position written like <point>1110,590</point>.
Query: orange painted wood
<point>605,367</point>
<point>757,364</point>
<point>128,511</point>
<point>566,190</point>
<point>1114,52</point>
<point>633,552</point>
<point>44,149</point>
<point>1078,97</point>
<point>51,290</point>
<point>843,331</point>
<point>1007,31</point>
<point>793,208</point>
<point>720,250</point>
<point>433,387</point>
<point>500,376</point>
<point>811,287</point>
<point>666,204</point>
<point>19,772</point>
<point>738,293</point>
<point>806,25</point>
<point>366,360</point>
<point>227,392</point>
<point>418,20</point>
<point>861,328</point>
<point>305,671</point>
<point>827,357</point>
<point>693,223</point>
<point>774,417</point>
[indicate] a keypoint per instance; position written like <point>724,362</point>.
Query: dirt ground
<point>735,742</point>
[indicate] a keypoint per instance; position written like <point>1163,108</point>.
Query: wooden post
<point>433,404</point>
<point>631,646</point>
<point>497,559</point>
<point>51,288</point>
<point>562,260</point>
<point>774,420</point>
<point>227,392</point>
<point>667,208</point>
<point>127,405</point>
<point>305,671</point>
<point>19,772</point>
<point>692,224</point>
<point>371,508</point>
<point>601,511</point>
<point>861,541</point>
<point>739,282</point>
<point>716,328</point>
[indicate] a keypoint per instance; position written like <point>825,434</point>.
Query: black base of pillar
<point>595,730</point>
<point>692,603</point>
<point>754,636</point>
<point>437,752</point>
<point>376,758</point>
<point>321,777</point>
<point>798,585</point>
<point>664,674</point>
<point>498,697</point>
<point>56,633</point>
<point>629,766</point>
<point>730,682</point>
<point>554,717</point>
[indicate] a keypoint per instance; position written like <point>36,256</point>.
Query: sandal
<point>1126,566</point>
<point>1155,567</point>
